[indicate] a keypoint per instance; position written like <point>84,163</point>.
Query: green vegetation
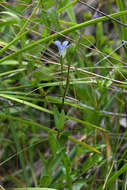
<point>63,95</point>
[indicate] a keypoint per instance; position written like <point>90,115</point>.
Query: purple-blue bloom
<point>61,46</point>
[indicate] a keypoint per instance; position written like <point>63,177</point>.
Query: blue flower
<point>62,47</point>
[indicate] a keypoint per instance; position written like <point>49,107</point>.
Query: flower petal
<point>65,43</point>
<point>58,43</point>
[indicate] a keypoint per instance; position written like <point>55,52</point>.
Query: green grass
<point>63,118</point>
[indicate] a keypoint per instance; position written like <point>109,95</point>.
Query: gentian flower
<point>62,47</point>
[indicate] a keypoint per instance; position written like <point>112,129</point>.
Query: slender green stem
<point>61,63</point>
<point>28,20</point>
<point>68,5</point>
<point>66,87</point>
<point>13,71</point>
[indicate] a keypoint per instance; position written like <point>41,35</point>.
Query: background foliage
<point>63,118</point>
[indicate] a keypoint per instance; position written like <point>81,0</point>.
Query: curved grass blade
<point>66,31</point>
<point>30,123</point>
<point>49,111</point>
